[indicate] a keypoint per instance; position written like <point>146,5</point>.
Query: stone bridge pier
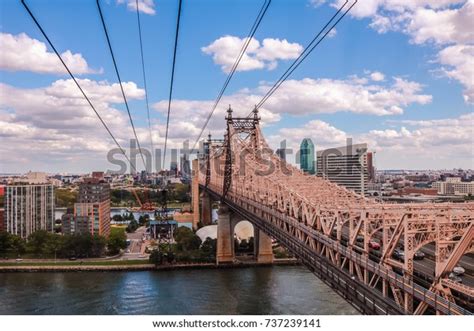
<point>227,220</point>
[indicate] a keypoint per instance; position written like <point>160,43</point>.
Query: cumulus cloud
<point>258,55</point>
<point>319,96</point>
<point>297,97</point>
<point>144,6</point>
<point>23,53</point>
<point>458,63</point>
<point>377,76</point>
<point>443,23</point>
<point>55,126</point>
<point>442,143</point>
<point>408,145</point>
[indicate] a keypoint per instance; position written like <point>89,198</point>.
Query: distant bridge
<point>329,228</point>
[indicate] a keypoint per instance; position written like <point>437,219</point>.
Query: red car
<point>374,245</point>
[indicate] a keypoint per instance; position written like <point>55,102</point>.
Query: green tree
<point>156,257</point>
<point>54,244</point>
<point>143,219</point>
<point>5,242</point>
<point>65,197</point>
<point>17,244</point>
<point>129,217</point>
<point>186,239</point>
<point>132,226</point>
<point>209,247</point>
<point>117,218</point>
<point>37,241</point>
<point>117,241</point>
<point>98,245</point>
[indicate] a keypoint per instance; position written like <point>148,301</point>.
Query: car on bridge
<point>399,254</point>
<point>455,278</point>
<point>419,255</point>
<point>458,270</point>
<point>374,245</point>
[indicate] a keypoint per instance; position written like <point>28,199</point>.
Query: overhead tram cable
<point>77,83</point>
<point>252,31</point>
<point>120,81</point>
<point>144,80</point>
<point>164,218</point>
<point>309,48</point>
<point>172,80</point>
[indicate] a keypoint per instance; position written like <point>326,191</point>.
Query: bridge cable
<point>252,31</point>
<point>120,81</point>
<point>144,79</point>
<point>172,80</point>
<point>309,48</point>
<point>76,82</point>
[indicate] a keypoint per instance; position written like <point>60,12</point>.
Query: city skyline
<point>415,113</point>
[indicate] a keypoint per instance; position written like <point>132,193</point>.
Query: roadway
<point>426,266</point>
<point>134,250</point>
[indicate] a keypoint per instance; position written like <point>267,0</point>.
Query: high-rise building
<point>75,224</point>
<point>345,166</point>
<point>94,203</point>
<point>370,166</point>
<point>185,167</point>
<point>174,168</point>
<point>29,208</point>
<point>307,156</point>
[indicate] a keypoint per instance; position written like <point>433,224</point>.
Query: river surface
<point>263,290</point>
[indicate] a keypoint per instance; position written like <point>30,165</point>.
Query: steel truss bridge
<point>322,224</point>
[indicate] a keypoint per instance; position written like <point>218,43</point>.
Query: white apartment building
<point>29,208</point>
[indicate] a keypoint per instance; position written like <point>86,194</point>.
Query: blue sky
<point>423,121</point>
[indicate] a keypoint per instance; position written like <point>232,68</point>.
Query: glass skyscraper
<point>307,156</point>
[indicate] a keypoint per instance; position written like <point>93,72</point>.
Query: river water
<point>263,290</point>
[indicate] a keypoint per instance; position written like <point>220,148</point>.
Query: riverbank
<point>129,265</point>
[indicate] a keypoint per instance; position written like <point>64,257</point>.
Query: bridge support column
<point>263,244</point>
<point>195,193</point>
<point>206,209</point>
<point>225,240</point>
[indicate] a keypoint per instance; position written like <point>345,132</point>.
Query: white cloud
<point>310,96</point>
<point>459,64</point>
<point>377,76</point>
<point>55,126</point>
<point>315,96</point>
<point>23,53</point>
<point>442,23</point>
<point>144,6</point>
<point>296,97</point>
<point>317,3</point>
<point>409,146</point>
<point>225,50</point>
<point>444,143</point>
<point>332,33</point>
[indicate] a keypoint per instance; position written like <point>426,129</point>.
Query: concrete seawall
<point>140,267</point>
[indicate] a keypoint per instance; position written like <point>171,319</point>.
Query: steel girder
<point>325,207</point>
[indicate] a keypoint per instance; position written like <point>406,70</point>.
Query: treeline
<point>175,193</point>
<point>43,244</point>
<point>187,248</point>
<point>65,197</point>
